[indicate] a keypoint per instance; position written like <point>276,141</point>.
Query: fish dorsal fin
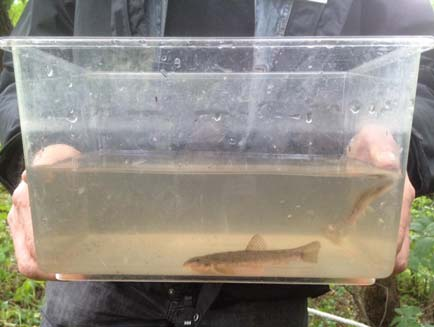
<point>256,243</point>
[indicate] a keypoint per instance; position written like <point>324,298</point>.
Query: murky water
<point>132,215</point>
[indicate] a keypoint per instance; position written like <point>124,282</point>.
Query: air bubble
<point>372,110</point>
<point>50,72</point>
<point>309,118</point>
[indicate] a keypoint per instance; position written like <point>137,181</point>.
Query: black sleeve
<point>411,17</point>
<point>40,18</point>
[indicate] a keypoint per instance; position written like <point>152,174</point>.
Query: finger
<point>401,262</point>
<point>375,144</point>
<point>24,176</point>
<point>24,247</point>
<point>54,153</point>
<point>404,225</point>
<point>20,197</point>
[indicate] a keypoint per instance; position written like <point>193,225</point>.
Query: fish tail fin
<point>310,252</point>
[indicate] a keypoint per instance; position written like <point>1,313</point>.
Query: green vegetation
<point>16,7</point>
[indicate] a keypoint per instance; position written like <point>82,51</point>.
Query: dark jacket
<point>336,18</point>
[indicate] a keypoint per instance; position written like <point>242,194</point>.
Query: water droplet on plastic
<point>295,116</point>
<point>163,58</point>
<point>387,105</point>
<point>285,11</point>
<point>334,107</point>
<point>164,72</point>
<point>72,120</point>
<point>270,88</point>
<point>122,89</point>
<point>355,107</point>
<point>177,63</point>
<point>282,201</point>
<point>154,139</point>
<point>309,67</point>
<point>217,117</point>
<point>70,85</point>
<point>372,109</point>
<point>309,118</point>
<point>289,216</point>
<point>232,141</point>
<point>81,190</point>
<point>50,72</point>
<point>298,206</point>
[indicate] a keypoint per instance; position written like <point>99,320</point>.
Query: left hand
<point>375,144</point>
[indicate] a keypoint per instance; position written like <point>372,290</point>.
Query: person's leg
<point>104,304</point>
<point>288,313</point>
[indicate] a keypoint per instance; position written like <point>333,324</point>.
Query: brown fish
<point>252,260</point>
<point>335,232</point>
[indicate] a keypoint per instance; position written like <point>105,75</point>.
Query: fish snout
<point>198,267</point>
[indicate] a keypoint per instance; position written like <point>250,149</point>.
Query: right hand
<point>20,218</point>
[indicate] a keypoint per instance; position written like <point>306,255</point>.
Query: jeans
<point>157,304</point>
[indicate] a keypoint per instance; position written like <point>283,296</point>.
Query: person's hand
<point>20,219</point>
<point>375,145</point>
<point>403,249</point>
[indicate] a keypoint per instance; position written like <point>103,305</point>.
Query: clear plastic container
<point>215,159</point>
